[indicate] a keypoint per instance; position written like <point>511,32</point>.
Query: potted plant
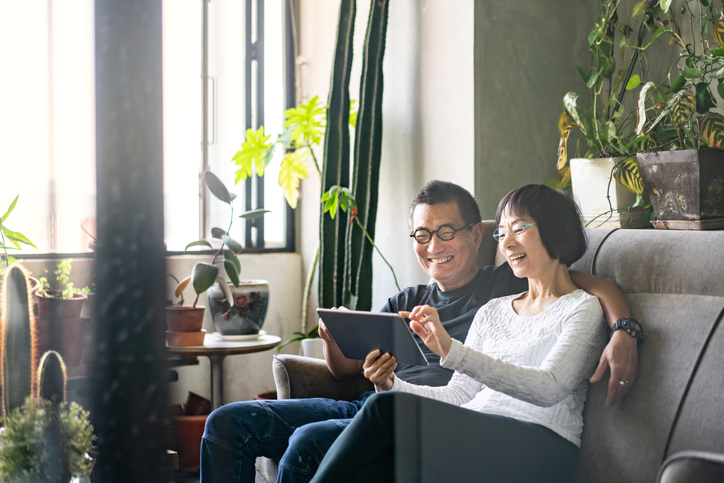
<point>608,124</point>
<point>60,326</point>
<point>684,167</point>
<point>238,308</point>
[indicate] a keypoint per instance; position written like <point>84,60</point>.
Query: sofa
<point>668,428</point>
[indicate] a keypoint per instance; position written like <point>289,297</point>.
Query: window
<point>47,118</point>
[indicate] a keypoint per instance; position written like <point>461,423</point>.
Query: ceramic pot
<point>184,319</point>
<point>188,431</point>
<point>247,313</point>
<point>52,308</point>
<point>313,348</point>
<point>64,336</point>
<point>185,339</point>
<point>589,182</point>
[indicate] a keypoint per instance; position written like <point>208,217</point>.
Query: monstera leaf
<point>711,129</point>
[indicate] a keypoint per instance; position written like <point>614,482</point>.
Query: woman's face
<point>525,252</point>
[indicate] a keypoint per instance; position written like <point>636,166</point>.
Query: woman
<point>520,378</point>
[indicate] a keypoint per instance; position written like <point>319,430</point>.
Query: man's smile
<point>441,260</point>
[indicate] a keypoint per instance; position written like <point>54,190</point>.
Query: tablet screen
<point>359,333</point>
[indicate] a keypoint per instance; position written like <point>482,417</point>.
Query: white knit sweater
<point>533,369</point>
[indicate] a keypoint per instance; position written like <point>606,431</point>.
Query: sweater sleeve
<point>570,361</point>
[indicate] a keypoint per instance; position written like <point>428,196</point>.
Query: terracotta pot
<point>246,315</point>
<point>265,395</point>
<point>64,336</point>
<point>196,405</point>
<point>52,308</point>
<point>185,339</point>
<point>188,431</point>
<point>184,319</point>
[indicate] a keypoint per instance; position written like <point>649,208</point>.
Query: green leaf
<point>254,153</point>
<point>217,232</point>
<point>676,85</point>
<point>718,74</point>
<point>661,97</point>
<point>569,103</point>
<point>250,215</point>
<point>692,74</point>
<point>203,277</point>
<point>705,3</point>
<point>597,32</point>
<point>665,4</point>
<point>17,237</point>
<point>231,257</point>
<point>704,100</point>
<point>217,188</point>
<point>720,89</point>
<point>232,272</point>
<point>233,245</point>
<point>718,52</point>
<point>308,121</point>
<point>627,173</point>
<point>292,170</point>
<point>639,9</point>
<point>585,74</point>
<point>606,66</point>
<point>10,209</point>
<point>633,82</point>
<point>594,77</point>
<point>199,243</point>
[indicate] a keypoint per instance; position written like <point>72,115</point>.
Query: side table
<point>216,350</point>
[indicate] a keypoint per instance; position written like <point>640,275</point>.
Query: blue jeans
<point>296,431</point>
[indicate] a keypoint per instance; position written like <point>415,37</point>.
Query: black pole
<point>130,415</point>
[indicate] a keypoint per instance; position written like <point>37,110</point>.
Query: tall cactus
<point>332,232</point>
<point>367,155</point>
<point>18,340</point>
<point>52,377</point>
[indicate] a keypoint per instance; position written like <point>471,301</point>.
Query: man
<point>445,223</point>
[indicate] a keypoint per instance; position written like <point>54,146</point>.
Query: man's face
<point>452,264</point>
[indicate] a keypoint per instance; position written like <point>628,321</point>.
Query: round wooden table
<point>216,350</point>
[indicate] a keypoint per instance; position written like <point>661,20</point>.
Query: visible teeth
<point>440,260</point>
<point>518,256</point>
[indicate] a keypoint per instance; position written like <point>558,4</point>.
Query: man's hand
<point>380,369</point>
<point>324,333</point>
<point>426,324</point>
<point>621,356</point>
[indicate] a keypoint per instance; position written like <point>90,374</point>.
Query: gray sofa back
<point>673,281</point>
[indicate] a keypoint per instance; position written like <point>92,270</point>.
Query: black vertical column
<point>129,384</point>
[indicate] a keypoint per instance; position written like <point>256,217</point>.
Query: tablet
<point>359,333</point>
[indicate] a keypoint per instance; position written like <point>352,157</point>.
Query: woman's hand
<point>380,369</point>
<point>426,324</point>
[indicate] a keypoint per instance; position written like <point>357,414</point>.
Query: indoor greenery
<point>204,275</point>
<point>9,236</point>
<point>64,288</point>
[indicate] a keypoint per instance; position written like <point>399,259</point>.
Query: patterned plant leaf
<point>627,173</point>
<point>292,170</point>
<point>565,125</point>
<point>565,175</point>
<point>641,109</point>
<point>683,108</point>
<point>308,126</point>
<point>718,33</point>
<point>711,129</point>
<point>569,103</point>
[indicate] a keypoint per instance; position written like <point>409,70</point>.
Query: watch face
<point>631,326</point>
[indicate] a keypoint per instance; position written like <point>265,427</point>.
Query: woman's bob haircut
<point>557,216</point>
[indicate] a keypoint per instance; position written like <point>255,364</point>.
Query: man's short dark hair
<point>557,216</point>
<point>436,192</point>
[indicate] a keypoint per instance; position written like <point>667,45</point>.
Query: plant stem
<point>378,251</point>
<point>5,248</point>
<point>316,163</point>
<point>308,289</point>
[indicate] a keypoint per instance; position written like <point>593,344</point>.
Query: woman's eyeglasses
<point>500,235</point>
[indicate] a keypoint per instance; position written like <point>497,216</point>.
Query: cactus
<point>332,232</point>
<point>52,377</point>
<point>367,155</point>
<point>19,338</point>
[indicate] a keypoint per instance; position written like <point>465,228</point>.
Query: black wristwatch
<point>631,326</point>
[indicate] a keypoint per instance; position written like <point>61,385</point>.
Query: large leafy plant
<point>204,275</point>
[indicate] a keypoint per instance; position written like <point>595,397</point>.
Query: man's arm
<point>340,367</point>
<point>620,355</point>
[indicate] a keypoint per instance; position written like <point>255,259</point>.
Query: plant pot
<point>89,334</point>
<point>247,313</point>
<point>64,336</point>
<point>686,184</point>
<point>185,339</point>
<point>188,431</point>
<point>53,308</point>
<point>184,319</point>
<point>313,348</point>
<point>589,181</point>
<point>265,396</point>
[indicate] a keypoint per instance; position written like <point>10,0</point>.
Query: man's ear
<point>478,231</point>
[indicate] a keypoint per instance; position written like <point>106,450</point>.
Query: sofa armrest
<point>689,466</point>
<point>304,377</point>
